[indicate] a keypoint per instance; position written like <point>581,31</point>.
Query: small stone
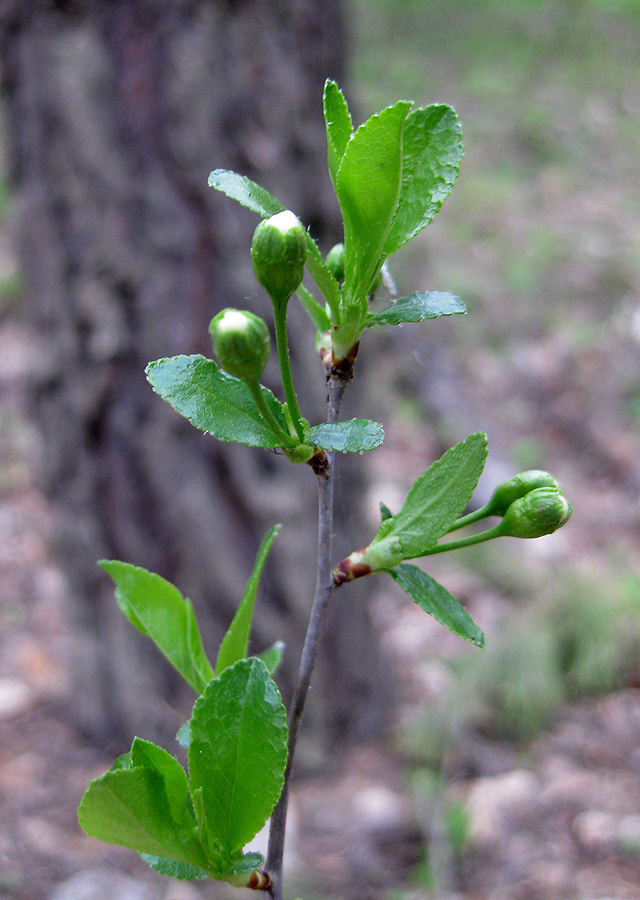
<point>98,884</point>
<point>15,697</point>
<point>492,801</point>
<point>596,830</point>
<point>46,677</point>
<point>181,890</point>
<point>377,808</point>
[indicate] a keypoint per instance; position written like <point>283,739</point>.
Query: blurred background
<point>427,768</point>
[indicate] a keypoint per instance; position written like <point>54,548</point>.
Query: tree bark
<point>115,114</point>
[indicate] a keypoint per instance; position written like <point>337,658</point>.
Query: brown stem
<point>323,591</point>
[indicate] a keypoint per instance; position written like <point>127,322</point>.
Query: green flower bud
<point>241,342</point>
<point>334,261</point>
<point>278,254</point>
<point>516,487</point>
<point>541,511</point>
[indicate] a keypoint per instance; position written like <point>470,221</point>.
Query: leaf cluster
<point>196,826</point>
<point>391,176</point>
<point>434,502</point>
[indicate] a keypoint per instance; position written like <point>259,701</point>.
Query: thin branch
<point>317,620</point>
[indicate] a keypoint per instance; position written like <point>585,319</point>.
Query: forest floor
<point>554,817</point>
<point>511,773</point>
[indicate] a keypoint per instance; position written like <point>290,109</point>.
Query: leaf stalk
<point>282,345</point>
<point>460,543</point>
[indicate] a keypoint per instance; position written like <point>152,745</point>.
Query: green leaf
<point>437,498</point>
<point>416,307</point>
<point>323,277</point>
<point>431,156</point>
<point>159,610</point>
<point>437,601</point>
<point>354,435</point>
<point>122,762</point>
<point>368,187</point>
<point>247,863</point>
<point>145,753</point>
<point>246,192</point>
<point>174,868</point>
<point>214,401</point>
<point>316,313</point>
<point>236,641</point>
<point>237,753</point>
<point>130,807</point>
<point>339,125</point>
<point>272,656</point>
<point>385,512</point>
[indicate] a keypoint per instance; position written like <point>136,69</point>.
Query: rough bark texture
<point>115,114</point>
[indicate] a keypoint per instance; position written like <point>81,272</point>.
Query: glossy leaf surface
<point>246,192</point>
<point>354,435</point>
<point>146,753</point>
<point>339,125</point>
<point>256,198</point>
<point>431,157</point>
<point>368,187</point>
<point>416,307</point>
<point>214,401</point>
<point>237,753</point>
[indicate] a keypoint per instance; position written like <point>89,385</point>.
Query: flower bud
<point>541,511</point>
<point>516,487</point>
<point>278,254</point>
<point>334,261</point>
<point>241,342</point>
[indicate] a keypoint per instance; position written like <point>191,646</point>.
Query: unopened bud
<point>516,487</point>
<point>241,342</point>
<point>541,511</point>
<point>334,261</point>
<point>278,254</point>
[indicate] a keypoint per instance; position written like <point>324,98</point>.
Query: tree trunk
<point>115,114</point>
